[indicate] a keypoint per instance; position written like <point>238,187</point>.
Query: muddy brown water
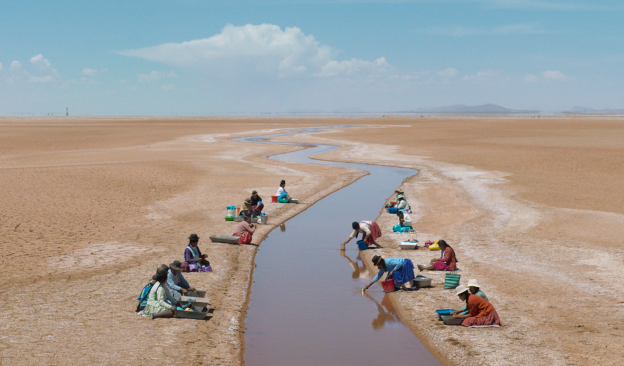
<point>305,306</point>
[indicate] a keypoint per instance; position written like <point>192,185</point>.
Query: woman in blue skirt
<point>401,270</point>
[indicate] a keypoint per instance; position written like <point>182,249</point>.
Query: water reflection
<point>387,314</point>
<point>359,271</point>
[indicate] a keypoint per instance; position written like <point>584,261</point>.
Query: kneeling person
<point>401,270</point>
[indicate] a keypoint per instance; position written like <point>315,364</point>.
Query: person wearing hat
<point>176,284</point>
<point>194,256</point>
<point>247,208</point>
<point>245,230</point>
<point>480,311</point>
<point>401,270</point>
<point>370,233</point>
<point>474,288</point>
<point>256,203</point>
<point>160,303</point>
<point>143,297</point>
<point>401,202</point>
<point>282,195</point>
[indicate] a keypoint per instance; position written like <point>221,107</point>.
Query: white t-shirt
<point>280,190</point>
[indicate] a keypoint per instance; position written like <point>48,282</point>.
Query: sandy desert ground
<point>90,207</point>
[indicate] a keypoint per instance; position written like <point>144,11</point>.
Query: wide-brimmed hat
<point>399,190</point>
<point>460,290</point>
<point>177,265</point>
<point>193,237</point>
<point>473,283</point>
<point>376,259</point>
<point>254,192</point>
<point>160,272</point>
<point>248,200</point>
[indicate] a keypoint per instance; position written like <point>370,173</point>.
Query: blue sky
<point>192,57</point>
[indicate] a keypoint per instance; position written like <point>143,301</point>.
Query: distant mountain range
<point>586,110</point>
<point>480,109</point>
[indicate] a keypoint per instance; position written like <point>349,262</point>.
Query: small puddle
<point>306,307</point>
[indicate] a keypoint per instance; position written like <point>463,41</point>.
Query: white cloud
<point>348,67</point>
<point>89,72</point>
<point>93,72</point>
<point>530,78</point>
<point>483,75</point>
<point>155,76</point>
<point>44,73</point>
<point>447,73</point>
<point>167,87</point>
<point>38,60</point>
<point>554,75</point>
<point>16,66</point>
<point>263,49</point>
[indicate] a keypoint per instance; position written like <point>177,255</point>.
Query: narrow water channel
<point>306,307</point>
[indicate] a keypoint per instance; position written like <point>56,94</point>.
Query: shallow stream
<point>306,307</point>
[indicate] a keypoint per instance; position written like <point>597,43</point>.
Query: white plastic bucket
<point>263,219</point>
<point>231,212</point>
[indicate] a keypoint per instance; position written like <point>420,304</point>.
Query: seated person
<point>446,262</point>
<point>401,202</point>
<point>143,297</point>
<point>160,304</point>
<point>245,230</point>
<point>194,257</point>
<point>405,219</point>
<point>473,287</point>
<point>176,284</point>
<point>480,311</point>
<point>246,208</point>
<point>282,195</point>
<point>401,270</point>
<point>256,203</point>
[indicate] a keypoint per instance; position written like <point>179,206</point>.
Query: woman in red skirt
<point>370,231</point>
<point>481,312</point>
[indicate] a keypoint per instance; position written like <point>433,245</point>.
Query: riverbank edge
<point>282,218</point>
<point>418,333</point>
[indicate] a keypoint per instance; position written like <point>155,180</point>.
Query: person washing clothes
<point>245,230</point>
<point>282,195</point>
<point>475,289</point>
<point>401,202</point>
<point>176,284</point>
<point>194,257</point>
<point>480,311</point>
<point>405,220</point>
<point>247,208</point>
<point>370,232</point>
<point>160,304</point>
<point>446,262</point>
<point>401,270</point>
<point>256,203</point>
